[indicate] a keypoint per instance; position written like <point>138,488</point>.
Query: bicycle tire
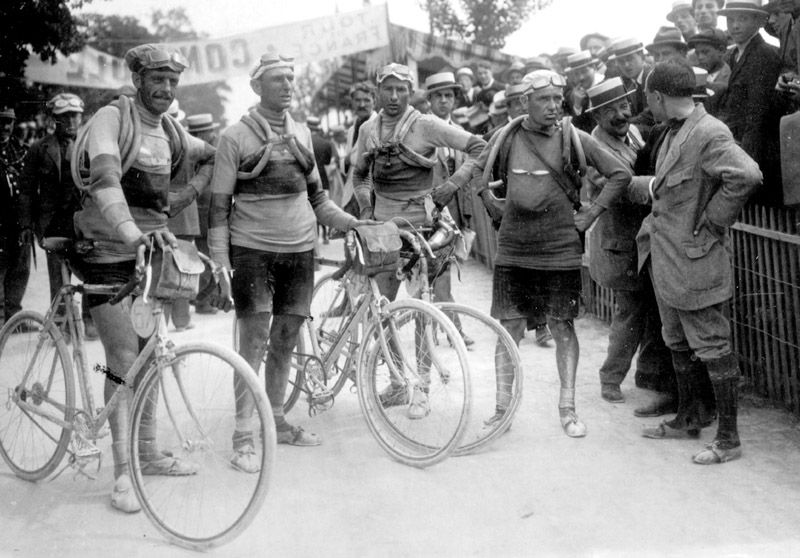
<point>296,375</point>
<point>195,420</point>
<point>424,441</point>
<point>33,446</point>
<point>329,311</point>
<point>496,382</point>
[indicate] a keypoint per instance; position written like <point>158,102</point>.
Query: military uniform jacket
<point>700,169</point>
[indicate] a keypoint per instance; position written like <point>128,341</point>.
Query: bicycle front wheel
<point>330,310</point>
<point>35,383</point>
<point>190,408</point>
<point>496,375</point>
<point>414,391</point>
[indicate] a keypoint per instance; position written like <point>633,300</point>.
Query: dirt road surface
<point>534,492</point>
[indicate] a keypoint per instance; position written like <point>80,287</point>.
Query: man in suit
<point>751,107</point>
<point>635,324</point>
<point>702,180</point>
<point>682,17</point>
<point>48,197</point>
<point>627,56</point>
<point>15,242</point>
<point>582,74</point>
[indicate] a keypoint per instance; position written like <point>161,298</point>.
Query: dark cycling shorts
<point>275,282</point>
<point>117,273</point>
<point>529,293</point>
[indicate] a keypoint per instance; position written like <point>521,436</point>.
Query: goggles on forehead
<point>269,62</point>
<point>160,58</point>
<point>545,80</point>
<point>65,103</point>
<point>399,71</point>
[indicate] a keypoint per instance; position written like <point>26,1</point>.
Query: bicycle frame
<point>158,344</point>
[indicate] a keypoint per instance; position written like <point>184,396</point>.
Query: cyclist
<point>538,262</point>
<point>121,211</point>
<point>265,164</point>
<point>395,159</point>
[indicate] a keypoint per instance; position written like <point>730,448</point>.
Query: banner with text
<point>220,59</point>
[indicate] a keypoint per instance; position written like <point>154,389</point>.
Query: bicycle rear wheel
<point>496,373</point>
<point>296,376</point>
<point>330,309</point>
<point>187,408</point>
<point>402,359</point>
<point>35,370</point>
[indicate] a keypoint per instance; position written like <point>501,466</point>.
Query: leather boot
<point>686,370</point>
<point>707,403</point>
<point>724,374</point>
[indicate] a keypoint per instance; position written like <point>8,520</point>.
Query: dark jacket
<point>46,205</point>
<point>752,110</point>
<point>612,261</point>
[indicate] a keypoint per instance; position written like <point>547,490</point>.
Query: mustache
<point>619,122</point>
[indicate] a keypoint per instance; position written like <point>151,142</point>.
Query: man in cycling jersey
<point>266,200</point>
<point>538,262</point>
<point>123,209</point>
<point>395,160</point>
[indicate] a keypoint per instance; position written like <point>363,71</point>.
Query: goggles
<point>65,102</point>
<point>149,57</point>
<point>399,71</point>
<point>539,79</point>
<point>269,62</point>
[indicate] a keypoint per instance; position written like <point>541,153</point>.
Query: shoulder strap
<point>569,190</point>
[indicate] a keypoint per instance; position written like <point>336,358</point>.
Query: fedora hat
<point>713,37</point>
<point>515,66</point>
<point>579,60</point>
<point>678,6</point>
<point>536,63</point>
<point>607,92</point>
<point>668,36</point>
<point>440,81</point>
<point>625,46</point>
<point>744,6</point>
<point>200,123</point>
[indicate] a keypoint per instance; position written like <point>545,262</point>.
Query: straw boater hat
<point>678,6</point>
<point>713,37</point>
<point>498,106</point>
<point>203,122</point>
<point>476,116</point>
<point>668,36</point>
<point>580,60</point>
<point>625,46</point>
<point>8,112</point>
<point>459,116</point>
<point>441,81</point>
<point>607,92</point>
<point>701,90</point>
<point>744,6</point>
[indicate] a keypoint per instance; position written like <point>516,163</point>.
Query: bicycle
<point>403,330</point>
<point>496,384</point>
<point>183,399</point>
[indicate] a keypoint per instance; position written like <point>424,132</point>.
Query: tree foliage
<point>485,22</point>
<point>44,26</point>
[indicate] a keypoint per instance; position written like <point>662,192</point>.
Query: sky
<point>561,24</point>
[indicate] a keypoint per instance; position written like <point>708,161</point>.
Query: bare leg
<point>253,336</point>
<point>503,364</point>
<point>567,352</point>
